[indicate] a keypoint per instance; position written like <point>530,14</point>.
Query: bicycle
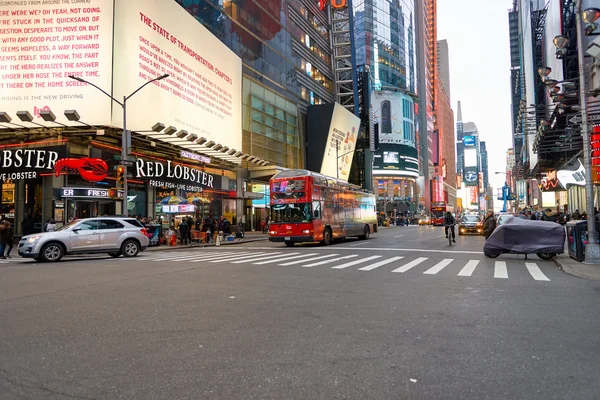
<point>450,234</point>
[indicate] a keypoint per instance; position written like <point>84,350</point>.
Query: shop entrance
<point>89,209</point>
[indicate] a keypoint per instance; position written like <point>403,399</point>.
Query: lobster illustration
<point>90,169</point>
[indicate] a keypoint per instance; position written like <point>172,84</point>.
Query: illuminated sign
<point>178,208</point>
<point>194,156</point>
<point>92,192</point>
<point>334,3</point>
<point>469,141</point>
<point>550,183</point>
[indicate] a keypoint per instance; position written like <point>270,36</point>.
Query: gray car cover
<point>523,236</point>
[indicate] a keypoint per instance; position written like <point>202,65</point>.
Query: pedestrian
<point>576,215</point>
<point>27,225</point>
<point>8,239</point>
<point>489,224</point>
<point>2,239</point>
<point>45,229</point>
<point>51,225</point>
<point>183,231</point>
<point>191,225</point>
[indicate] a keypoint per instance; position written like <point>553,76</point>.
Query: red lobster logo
<point>90,169</point>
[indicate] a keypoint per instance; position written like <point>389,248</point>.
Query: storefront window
<point>7,207</point>
<point>136,202</point>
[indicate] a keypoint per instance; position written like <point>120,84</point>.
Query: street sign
<point>126,162</point>
<point>591,118</point>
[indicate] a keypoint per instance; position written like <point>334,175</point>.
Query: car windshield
<point>471,218</point>
<point>291,213</point>
<point>69,225</point>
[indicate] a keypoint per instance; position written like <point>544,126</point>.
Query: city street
<point>400,316</point>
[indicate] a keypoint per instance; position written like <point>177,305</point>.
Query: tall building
<point>484,165</point>
<point>444,133</point>
<point>385,41</point>
<point>285,49</point>
<point>443,65</point>
<point>459,141</point>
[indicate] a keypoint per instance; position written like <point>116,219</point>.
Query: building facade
<point>443,65</point>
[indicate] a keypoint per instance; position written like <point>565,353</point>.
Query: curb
<point>184,247</point>
<point>568,269</point>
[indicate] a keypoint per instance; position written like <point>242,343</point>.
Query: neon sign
<point>334,3</point>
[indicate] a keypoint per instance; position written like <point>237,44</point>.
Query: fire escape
<point>344,70</point>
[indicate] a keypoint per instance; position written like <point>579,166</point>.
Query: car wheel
<point>115,255</point>
<point>130,248</point>
<point>327,237</point>
<point>289,244</point>
<point>492,255</point>
<point>546,256</point>
<point>365,236</point>
<point>52,252</point>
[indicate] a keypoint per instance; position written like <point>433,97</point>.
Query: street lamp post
<point>124,149</point>
<point>592,248</point>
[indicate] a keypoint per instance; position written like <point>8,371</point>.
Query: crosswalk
<point>428,266</point>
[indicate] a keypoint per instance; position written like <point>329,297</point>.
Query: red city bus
<point>310,207</point>
<point>438,212</point>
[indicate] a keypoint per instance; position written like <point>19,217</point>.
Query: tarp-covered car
<point>522,236</point>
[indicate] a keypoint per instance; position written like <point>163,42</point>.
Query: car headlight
<point>32,239</point>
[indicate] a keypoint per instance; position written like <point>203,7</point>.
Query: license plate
<point>287,238</point>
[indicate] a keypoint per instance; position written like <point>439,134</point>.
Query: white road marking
<point>380,263</point>
<point>399,236</point>
<point>358,244</point>
<point>216,257</point>
<point>330,260</point>
<point>410,265</point>
<point>284,259</point>
<point>351,263</point>
<point>500,270</point>
<point>469,268</point>
<point>237,257</point>
<point>310,259</point>
<point>190,257</point>
<point>263,257</point>
<point>337,248</point>
<point>536,272</point>
<point>438,267</point>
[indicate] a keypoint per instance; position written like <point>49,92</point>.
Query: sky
<point>479,52</point>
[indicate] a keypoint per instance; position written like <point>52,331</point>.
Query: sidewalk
<point>255,236</point>
<point>572,267</point>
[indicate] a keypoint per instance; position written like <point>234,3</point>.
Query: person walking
<point>191,225</point>
<point>8,239</point>
<point>183,231</point>
<point>489,224</point>
<point>51,226</point>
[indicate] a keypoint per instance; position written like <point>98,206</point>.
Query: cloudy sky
<point>477,35</point>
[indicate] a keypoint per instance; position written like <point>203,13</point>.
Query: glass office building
<point>385,40</point>
<point>286,53</point>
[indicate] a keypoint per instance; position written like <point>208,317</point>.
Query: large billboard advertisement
<point>394,114</point>
<point>471,167</point>
<point>396,160</point>
<point>42,43</point>
<point>203,92</point>
<point>469,141</point>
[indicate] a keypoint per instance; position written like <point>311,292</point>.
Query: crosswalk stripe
<point>263,257</point>
<point>438,267</point>
<point>191,257</point>
<point>411,264</point>
<point>171,257</point>
<point>380,263</point>
<point>500,270</point>
<point>309,259</point>
<point>237,257</point>
<point>284,259</point>
<point>351,263</point>
<point>536,272</point>
<point>469,268</point>
<point>330,260</point>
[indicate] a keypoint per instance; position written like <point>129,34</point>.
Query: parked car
<point>502,218</point>
<point>523,236</point>
<point>424,221</point>
<point>470,223</point>
<point>113,235</point>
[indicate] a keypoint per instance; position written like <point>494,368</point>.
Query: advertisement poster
<point>343,133</point>
<point>203,91</point>
<point>469,141</point>
<point>396,160</point>
<point>471,176</point>
<point>41,44</point>
<point>394,114</point>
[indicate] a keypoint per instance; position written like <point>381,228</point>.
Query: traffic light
<point>121,174</point>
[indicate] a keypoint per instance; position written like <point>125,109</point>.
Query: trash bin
<point>577,238</point>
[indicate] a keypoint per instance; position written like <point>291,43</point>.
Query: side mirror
<point>77,229</point>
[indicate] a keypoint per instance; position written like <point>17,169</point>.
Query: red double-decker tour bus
<point>438,212</point>
<point>310,207</point>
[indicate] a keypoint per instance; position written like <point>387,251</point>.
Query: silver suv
<point>113,235</point>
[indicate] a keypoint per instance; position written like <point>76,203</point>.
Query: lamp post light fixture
<point>124,135</point>
<point>561,42</point>
<point>589,16</point>
<point>544,72</point>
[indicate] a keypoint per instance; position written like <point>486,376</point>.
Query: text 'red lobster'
<point>90,169</point>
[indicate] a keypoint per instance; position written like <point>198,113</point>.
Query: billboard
<point>471,176</point>
<point>42,45</point>
<point>203,92</point>
<point>394,114</point>
<point>396,160</point>
<point>44,42</point>
<point>332,132</point>
<point>469,141</point>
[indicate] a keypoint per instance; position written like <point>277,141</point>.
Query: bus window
<point>300,212</point>
<point>316,210</point>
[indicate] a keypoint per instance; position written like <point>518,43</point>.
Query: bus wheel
<point>326,237</point>
<point>366,235</point>
<point>289,244</point>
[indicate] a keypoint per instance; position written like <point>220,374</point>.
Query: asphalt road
<point>400,316</point>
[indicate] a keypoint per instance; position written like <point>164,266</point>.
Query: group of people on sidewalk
<point>209,226</point>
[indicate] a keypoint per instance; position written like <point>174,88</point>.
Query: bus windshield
<point>300,212</point>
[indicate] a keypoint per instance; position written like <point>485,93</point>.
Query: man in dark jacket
<point>183,231</point>
<point>190,223</point>
<point>449,222</point>
<point>489,224</point>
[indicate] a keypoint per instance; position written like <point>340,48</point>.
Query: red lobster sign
<point>90,169</point>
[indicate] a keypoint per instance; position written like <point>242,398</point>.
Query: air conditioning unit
<point>594,83</point>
